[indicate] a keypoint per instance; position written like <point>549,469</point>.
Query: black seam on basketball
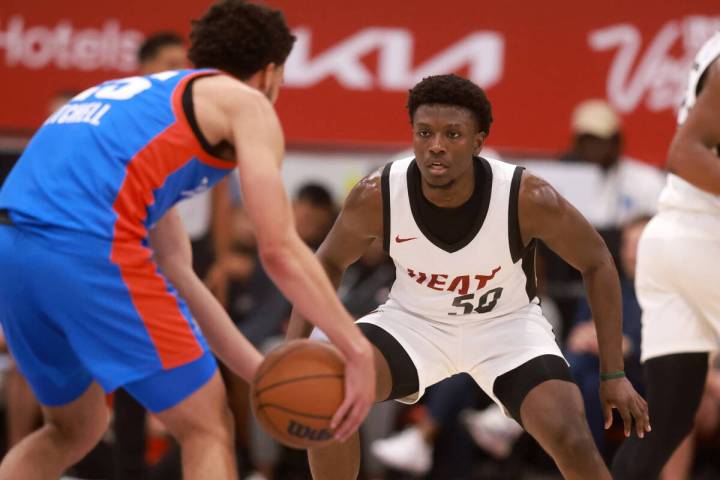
<point>270,422</point>
<point>293,412</point>
<point>295,379</point>
<point>272,365</point>
<point>268,368</point>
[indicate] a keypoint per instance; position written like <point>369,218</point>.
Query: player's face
<point>445,138</point>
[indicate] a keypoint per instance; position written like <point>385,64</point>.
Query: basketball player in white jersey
<point>678,275</point>
<point>462,232</point>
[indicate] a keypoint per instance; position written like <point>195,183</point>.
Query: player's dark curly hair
<point>240,38</point>
<point>452,90</point>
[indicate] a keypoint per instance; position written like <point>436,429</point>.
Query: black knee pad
<point>512,387</point>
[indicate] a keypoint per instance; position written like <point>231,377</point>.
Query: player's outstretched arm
<point>359,223</point>
<point>172,252</point>
<point>544,214</point>
<point>257,136</point>
<point>693,153</point>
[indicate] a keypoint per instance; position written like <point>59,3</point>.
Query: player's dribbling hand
<point>359,393</point>
<point>620,394</point>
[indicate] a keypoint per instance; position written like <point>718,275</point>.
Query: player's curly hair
<point>240,38</point>
<point>452,90</point>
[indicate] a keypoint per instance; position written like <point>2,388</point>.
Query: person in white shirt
<point>628,188</point>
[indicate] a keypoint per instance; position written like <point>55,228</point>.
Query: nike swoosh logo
<point>401,240</point>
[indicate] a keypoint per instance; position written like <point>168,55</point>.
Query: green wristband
<point>612,375</point>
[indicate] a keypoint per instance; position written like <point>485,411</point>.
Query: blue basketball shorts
<point>97,313</point>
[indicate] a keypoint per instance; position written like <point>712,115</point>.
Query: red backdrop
<point>348,76</point>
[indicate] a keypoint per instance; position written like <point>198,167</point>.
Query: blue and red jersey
<point>111,162</point>
<point>94,179</point>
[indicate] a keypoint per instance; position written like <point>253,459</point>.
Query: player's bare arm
<point>693,153</point>
<point>251,126</point>
<point>171,247</point>
<point>545,215</point>
<point>359,223</point>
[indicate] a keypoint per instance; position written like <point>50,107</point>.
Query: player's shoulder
<point>537,195</point>
<point>226,92</point>
<point>367,193</point>
<point>363,208</point>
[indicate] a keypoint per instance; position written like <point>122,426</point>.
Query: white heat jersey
<point>488,274</point>
<point>678,193</point>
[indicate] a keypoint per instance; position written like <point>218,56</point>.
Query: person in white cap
<point>629,188</point>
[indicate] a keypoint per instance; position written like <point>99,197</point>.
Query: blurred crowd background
<point>583,94</point>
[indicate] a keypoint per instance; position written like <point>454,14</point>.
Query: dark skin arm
<point>693,155</point>
<point>359,223</point>
<point>545,215</point>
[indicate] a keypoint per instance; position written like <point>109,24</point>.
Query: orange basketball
<point>297,389</point>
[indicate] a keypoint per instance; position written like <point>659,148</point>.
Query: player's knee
<point>569,436</point>
<point>220,428</point>
<point>77,438</point>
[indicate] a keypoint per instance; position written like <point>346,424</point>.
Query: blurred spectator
<point>629,188</point>
<point>265,310</point>
<point>241,263</point>
<point>315,212</point>
<point>60,98</point>
<point>162,51</point>
<point>582,345</point>
<point>366,283</point>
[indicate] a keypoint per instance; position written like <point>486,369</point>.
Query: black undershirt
<point>451,225</point>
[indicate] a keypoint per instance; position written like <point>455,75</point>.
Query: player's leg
<point>553,413</point>
<point>675,386</point>
<point>517,362</point>
<point>73,406</point>
<point>69,433</point>
<point>23,412</point>
<point>191,401</point>
<point>340,461</point>
<point>408,358</point>
<point>677,289</point>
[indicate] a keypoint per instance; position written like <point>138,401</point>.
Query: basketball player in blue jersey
<point>677,275</point>
<point>462,231</point>
<point>96,285</point>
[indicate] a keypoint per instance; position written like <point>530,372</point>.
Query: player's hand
<point>620,394</point>
<point>359,392</point>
